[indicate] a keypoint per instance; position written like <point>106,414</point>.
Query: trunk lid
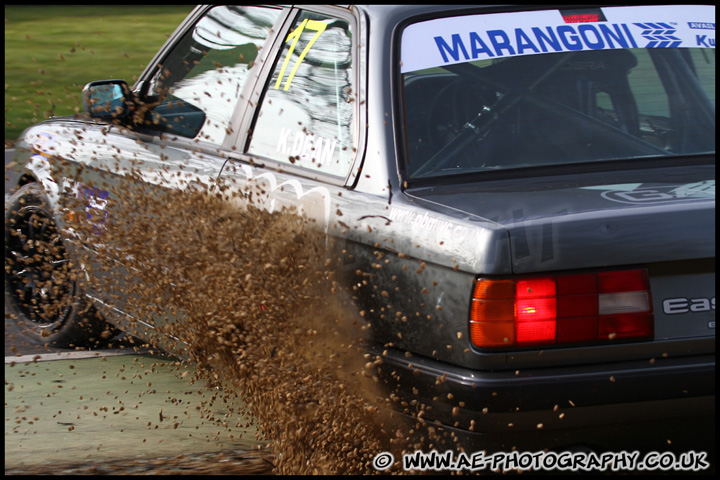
<point>662,219</point>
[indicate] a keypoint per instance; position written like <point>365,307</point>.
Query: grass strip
<point>51,52</point>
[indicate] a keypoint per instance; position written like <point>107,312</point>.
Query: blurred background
<point>51,52</point>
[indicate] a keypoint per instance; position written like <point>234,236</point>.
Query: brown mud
<point>252,299</point>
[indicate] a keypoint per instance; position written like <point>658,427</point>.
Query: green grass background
<point>51,52</point>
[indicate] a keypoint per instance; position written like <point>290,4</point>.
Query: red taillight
<point>583,16</point>
<point>561,309</point>
<point>536,312</point>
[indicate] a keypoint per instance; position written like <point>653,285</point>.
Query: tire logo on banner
<point>663,194</point>
<point>659,35</point>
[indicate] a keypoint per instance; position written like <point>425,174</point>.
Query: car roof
<point>414,9</point>
<point>397,12</point>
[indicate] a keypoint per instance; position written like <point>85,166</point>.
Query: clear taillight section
<point>561,309</point>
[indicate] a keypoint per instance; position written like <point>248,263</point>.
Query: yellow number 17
<point>318,27</point>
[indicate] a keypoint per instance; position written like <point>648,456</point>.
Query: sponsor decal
<point>44,142</point>
<point>659,35</point>
<point>305,147</point>
<point>445,231</point>
<point>276,187</point>
<point>704,41</point>
<point>674,306</point>
<point>95,201</point>
<point>701,25</point>
<point>656,195</point>
<point>445,41</point>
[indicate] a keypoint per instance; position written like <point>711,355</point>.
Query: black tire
<point>42,299</point>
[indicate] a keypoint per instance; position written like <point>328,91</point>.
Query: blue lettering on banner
<point>703,41</point>
<point>660,35</point>
<point>524,43</point>
<point>551,39</point>
<point>478,46</point>
<point>701,25</point>
<point>500,42</point>
<point>457,45</point>
<point>562,38</point>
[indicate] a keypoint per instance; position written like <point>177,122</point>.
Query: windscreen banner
<point>451,40</point>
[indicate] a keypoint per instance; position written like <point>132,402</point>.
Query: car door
<point>301,146</point>
<point>185,108</point>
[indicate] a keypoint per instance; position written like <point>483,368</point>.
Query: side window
<point>307,113</point>
<point>195,89</point>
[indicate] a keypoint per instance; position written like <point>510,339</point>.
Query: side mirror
<point>106,99</point>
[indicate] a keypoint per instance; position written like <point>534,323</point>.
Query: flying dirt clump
<point>250,296</point>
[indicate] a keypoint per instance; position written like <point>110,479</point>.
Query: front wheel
<point>41,291</point>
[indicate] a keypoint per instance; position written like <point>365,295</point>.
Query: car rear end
<point>599,166</point>
<point>614,355</point>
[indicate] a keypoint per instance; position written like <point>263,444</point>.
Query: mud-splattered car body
<point>445,257</point>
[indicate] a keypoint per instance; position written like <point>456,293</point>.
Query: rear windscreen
<point>524,89</point>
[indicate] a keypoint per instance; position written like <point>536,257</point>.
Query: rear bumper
<point>591,404</point>
<point>623,427</point>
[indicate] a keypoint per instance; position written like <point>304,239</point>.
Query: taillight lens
<point>561,309</point>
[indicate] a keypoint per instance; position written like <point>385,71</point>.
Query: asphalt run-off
<point>95,407</point>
